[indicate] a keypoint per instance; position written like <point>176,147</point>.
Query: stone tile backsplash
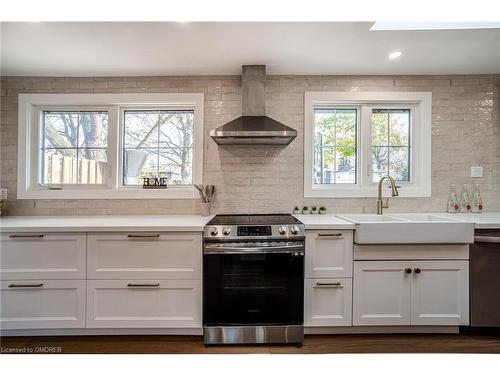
<point>256,179</point>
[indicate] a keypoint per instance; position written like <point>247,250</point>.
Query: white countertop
<point>189,223</point>
<point>324,221</point>
<point>484,220</point>
<point>171,223</point>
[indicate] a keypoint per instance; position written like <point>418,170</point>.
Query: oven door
<point>253,286</point>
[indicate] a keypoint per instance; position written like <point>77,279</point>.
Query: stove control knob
<point>226,231</point>
<point>282,229</point>
<point>294,229</point>
<point>214,231</point>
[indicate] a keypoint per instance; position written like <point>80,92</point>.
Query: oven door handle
<point>489,239</point>
<point>292,249</point>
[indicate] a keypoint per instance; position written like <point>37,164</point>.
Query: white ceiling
<point>169,48</point>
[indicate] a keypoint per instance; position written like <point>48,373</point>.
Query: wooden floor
<point>468,342</point>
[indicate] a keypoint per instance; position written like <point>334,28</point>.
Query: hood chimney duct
<point>253,82</point>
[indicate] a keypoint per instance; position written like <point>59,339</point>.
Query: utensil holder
<point>205,209</point>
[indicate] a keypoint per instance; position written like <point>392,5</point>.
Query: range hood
<point>254,127</point>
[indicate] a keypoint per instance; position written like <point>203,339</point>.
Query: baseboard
<point>199,331</point>
<point>101,331</point>
<point>379,329</point>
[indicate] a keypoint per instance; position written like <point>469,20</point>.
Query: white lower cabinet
<point>329,253</point>
<point>48,256</point>
<point>27,304</point>
<point>165,255</point>
<point>381,293</point>
<point>410,293</point>
<point>144,303</point>
<point>440,293</point>
<point>328,302</point>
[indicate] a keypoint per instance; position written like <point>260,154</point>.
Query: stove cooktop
<point>268,219</point>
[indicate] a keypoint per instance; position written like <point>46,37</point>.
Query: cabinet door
<point>328,302</point>
<point>144,256</point>
<point>381,293</point>
<point>144,303</point>
<point>440,293</point>
<point>329,253</point>
<point>42,304</point>
<point>42,256</point>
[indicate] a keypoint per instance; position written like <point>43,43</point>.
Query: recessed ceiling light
<point>395,54</point>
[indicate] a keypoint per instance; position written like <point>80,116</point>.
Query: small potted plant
<point>296,210</point>
<point>322,210</point>
<point>314,209</point>
<point>305,210</point>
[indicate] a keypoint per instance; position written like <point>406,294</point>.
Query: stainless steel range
<point>253,280</point>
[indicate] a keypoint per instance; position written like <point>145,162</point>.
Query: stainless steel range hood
<point>254,127</point>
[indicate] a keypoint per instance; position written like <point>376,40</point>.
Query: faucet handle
<point>386,203</point>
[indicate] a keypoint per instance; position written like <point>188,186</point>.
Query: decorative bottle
<point>453,203</point>
<point>477,202</point>
<point>465,201</point>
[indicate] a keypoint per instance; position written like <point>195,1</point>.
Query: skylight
<point>397,26</point>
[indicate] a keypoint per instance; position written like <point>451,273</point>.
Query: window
<point>102,145</point>
<point>74,147</point>
<point>390,144</point>
<point>335,146</point>
<point>352,139</point>
<point>158,143</point>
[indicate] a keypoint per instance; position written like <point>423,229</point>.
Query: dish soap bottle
<point>465,203</point>
<point>453,203</point>
<point>477,202</point>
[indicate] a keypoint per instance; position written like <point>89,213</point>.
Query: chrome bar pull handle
<point>27,236</point>
<point>152,285</point>
<point>486,239</point>
<point>143,236</point>
<point>26,285</point>
<point>329,285</point>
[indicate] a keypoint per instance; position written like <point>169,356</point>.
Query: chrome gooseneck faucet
<point>394,192</point>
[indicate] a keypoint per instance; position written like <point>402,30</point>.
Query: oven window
<point>244,289</point>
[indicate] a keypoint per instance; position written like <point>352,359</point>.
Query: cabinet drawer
<point>144,303</point>
<point>328,302</point>
<point>42,256</point>
<point>329,253</point>
<point>144,256</point>
<point>42,304</point>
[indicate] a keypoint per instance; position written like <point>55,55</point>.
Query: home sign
<point>154,183</point>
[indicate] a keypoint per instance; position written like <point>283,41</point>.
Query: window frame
<point>30,107</point>
<point>420,105</point>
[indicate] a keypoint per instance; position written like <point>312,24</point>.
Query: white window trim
<point>29,108</point>
<point>421,105</point>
